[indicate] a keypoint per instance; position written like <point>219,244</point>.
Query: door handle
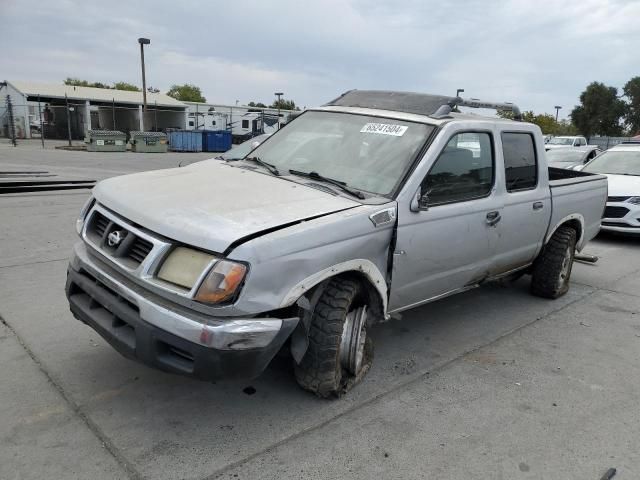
<point>493,218</point>
<point>538,206</point>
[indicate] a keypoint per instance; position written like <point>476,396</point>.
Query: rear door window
<point>520,161</point>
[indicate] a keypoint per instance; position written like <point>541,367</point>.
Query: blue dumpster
<point>216,141</point>
<point>186,140</point>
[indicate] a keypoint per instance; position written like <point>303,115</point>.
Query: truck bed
<point>577,194</point>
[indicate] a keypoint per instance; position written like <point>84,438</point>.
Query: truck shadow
<point>209,424</point>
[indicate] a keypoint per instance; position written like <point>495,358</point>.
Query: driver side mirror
<point>419,201</point>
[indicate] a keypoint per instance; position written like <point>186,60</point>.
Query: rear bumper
<point>202,347</point>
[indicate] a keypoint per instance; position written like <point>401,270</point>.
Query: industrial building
<point>39,107</point>
<point>63,111</point>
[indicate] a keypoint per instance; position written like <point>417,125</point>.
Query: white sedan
<point>622,165</point>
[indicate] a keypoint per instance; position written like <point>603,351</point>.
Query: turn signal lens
<point>222,282</point>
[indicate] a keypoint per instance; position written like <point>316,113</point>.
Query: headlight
<point>184,266</point>
<point>222,282</point>
<point>634,200</point>
<point>83,214</point>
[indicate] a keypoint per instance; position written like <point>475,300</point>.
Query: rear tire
<point>340,351</point>
<point>552,268</point>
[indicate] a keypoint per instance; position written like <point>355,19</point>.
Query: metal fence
<point>68,119</point>
<point>607,142</point>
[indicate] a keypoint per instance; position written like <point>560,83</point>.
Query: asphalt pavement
<point>492,383</point>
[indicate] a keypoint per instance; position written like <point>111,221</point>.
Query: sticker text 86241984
<point>384,129</point>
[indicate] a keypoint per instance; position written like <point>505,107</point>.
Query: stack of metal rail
<point>38,181</point>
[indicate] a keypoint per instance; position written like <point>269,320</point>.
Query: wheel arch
<point>362,270</point>
<point>575,221</point>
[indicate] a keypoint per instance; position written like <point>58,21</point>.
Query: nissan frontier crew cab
<point>370,205</point>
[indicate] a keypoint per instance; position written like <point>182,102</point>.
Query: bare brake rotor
<point>354,336</point>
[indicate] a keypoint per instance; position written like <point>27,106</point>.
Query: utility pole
<point>279,95</point>
<point>12,122</point>
<point>41,124</point>
<point>143,42</point>
<point>113,112</point>
<point>557,107</point>
<point>66,101</point>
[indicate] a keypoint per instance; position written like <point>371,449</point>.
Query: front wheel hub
<point>354,336</point>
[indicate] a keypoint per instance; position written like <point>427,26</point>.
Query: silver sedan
<point>572,157</point>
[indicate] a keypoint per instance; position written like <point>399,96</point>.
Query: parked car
<point>241,151</point>
<point>572,157</point>
<point>371,205</point>
<point>621,164</point>
<point>565,141</point>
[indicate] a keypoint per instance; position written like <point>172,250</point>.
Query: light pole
<point>459,91</point>
<point>279,95</point>
<point>143,42</point>
<point>557,107</point>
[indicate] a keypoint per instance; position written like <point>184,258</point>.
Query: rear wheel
<point>552,268</point>
<point>340,351</point>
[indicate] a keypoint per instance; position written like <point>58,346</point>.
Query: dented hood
<point>211,204</point>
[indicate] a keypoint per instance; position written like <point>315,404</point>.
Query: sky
<point>535,53</point>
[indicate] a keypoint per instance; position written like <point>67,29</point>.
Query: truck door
<point>527,202</point>
<point>445,245</point>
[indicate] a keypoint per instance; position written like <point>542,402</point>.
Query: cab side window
<point>463,171</point>
<point>520,162</point>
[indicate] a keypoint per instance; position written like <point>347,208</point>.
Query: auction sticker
<point>384,129</point>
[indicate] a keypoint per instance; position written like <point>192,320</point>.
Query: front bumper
<point>627,219</point>
<point>169,337</point>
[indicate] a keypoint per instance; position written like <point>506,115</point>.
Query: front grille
<point>132,249</point>
<point>139,250</point>
<point>615,212</point>
<point>617,199</point>
<point>618,224</point>
<point>100,224</point>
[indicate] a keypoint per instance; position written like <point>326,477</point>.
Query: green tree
<point>126,86</point>
<point>76,82</point>
<point>284,104</point>
<point>258,105</point>
<point>600,111</point>
<point>186,93</point>
<point>545,121</point>
<point>632,117</point>
<point>565,127</point>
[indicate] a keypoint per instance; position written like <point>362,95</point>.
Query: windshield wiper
<point>269,166</point>
<point>341,185</point>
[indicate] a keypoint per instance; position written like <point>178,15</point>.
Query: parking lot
<point>493,383</point>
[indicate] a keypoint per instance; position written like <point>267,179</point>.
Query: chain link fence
<point>607,142</point>
<point>68,120</point>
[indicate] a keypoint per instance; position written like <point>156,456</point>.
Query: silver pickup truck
<point>370,205</point>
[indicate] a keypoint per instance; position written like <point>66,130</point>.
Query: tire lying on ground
<point>340,351</point>
<point>552,269</point>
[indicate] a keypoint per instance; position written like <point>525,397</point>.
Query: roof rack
<point>434,106</point>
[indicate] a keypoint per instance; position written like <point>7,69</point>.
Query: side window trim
<point>493,167</point>
<point>535,157</point>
